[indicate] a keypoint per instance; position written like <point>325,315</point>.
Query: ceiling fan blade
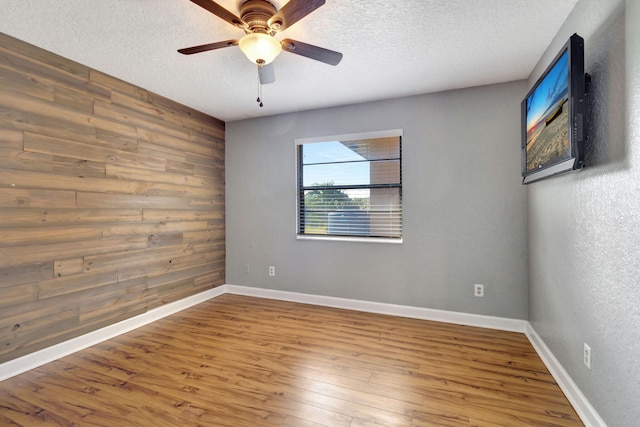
<point>206,47</point>
<point>292,12</point>
<point>321,54</point>
<point>266,74</point>
<point>220,12</point>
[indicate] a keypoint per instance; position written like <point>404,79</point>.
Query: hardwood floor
<point>241,361</point>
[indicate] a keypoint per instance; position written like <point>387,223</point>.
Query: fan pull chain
<point>259,100</point>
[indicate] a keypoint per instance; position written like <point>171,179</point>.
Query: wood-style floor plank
<point>241,361</point>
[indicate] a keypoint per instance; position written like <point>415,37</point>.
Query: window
<point>351,186</point>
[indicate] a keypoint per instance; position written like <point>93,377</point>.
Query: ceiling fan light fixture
<point>260,48</point>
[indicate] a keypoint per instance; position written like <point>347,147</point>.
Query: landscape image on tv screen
<point>547,118</point>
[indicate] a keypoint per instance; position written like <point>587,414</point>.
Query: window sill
<point>349,239</point>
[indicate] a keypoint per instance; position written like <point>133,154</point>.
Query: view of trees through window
<point>322,202</point>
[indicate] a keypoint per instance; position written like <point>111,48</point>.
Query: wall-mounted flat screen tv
<point>553,116</point>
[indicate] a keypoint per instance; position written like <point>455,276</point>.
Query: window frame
<point>300,187</point>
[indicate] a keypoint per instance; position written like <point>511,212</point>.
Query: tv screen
<point>553,116</point>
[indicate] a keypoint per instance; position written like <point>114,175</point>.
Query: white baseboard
<point>585,410</point>
<point>500,323</point>
<point>580,403</point>
<point>49,354</point>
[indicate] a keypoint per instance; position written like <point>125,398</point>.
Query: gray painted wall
<point>464,208</point>
<point>584,227</point>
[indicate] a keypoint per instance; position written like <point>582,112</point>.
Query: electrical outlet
<point>478,290</point>
<point>245,269</point>
<point>272,270</point>
<point>587,355</point>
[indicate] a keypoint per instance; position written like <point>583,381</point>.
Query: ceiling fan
<point>261,21</point>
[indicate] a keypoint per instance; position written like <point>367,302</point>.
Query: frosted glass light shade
<point>260,48</point>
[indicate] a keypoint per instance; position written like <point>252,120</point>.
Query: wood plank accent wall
<point>111,200</point>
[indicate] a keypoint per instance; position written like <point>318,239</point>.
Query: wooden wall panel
<point>111,200</point>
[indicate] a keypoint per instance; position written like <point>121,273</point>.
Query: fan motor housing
<point>256,14</point>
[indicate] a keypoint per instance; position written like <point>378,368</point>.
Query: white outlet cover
<point>587,355</point>
<point>478,290</point>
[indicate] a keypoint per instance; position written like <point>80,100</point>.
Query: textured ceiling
<point>391,48</point>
